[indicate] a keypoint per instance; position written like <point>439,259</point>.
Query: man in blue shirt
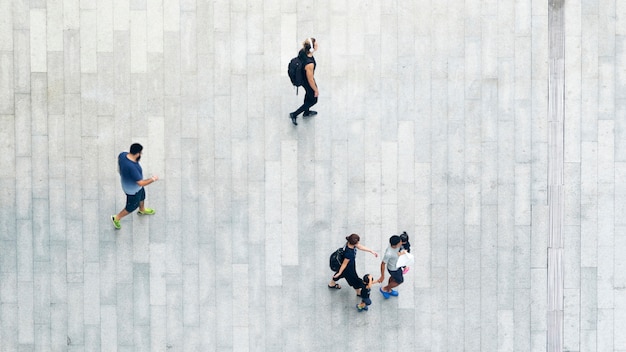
<point>131,176</point>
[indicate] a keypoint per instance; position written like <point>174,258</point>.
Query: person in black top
<point>348,266</point>
<point>308,62</point>
<point>368,281</point>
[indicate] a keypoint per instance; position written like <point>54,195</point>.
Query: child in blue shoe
<point>365,293</point>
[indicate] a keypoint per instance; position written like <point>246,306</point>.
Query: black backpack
<point>295,70</point>
<point>336,258</point>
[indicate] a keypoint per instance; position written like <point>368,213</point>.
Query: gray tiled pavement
<point>432,119</point>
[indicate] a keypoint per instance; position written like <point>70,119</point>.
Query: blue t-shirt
<point>130,173</point>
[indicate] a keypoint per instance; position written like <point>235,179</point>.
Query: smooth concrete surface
<point>432,119</point>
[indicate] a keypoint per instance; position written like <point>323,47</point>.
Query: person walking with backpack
<point>308,63</point>
<point>348,266</point>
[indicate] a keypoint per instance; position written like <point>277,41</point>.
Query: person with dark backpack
<point>301,71</point>
<point>347,270</point>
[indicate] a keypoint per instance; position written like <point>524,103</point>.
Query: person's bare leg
<point>121,214</point>
<point>391,284</point>
<point>141,207</point>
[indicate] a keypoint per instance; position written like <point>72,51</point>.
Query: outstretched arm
<point>365,249</point>
<point>382,272</point>
<point>147,181</point>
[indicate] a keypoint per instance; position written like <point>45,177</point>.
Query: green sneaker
<point>116,223</point>
<point>146,211</point>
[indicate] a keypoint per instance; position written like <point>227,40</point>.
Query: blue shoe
<point>359,308</point>
<point>394,293</point>
<point>366,308</point>
<point>385,294</point>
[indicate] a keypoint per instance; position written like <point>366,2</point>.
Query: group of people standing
<point>398,245</point>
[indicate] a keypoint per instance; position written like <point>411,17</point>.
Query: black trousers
<point>309,100</point>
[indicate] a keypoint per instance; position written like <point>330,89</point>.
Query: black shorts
<point>396,275</point>
<point>132,201</point>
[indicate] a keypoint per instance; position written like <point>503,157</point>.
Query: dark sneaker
<point>293,118</point>
<point>309,113</point>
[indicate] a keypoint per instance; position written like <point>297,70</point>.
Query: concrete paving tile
<point>121,57</point>
<point>572,239</point>
<point>24,250</point>
<point>38,104</point>
<point>75,314</point>
<point>59,326</point>
<point>589,300</point>
<point>606,214</point>
<point>523,207</point>
<point>141,338</point>
<point>138,43</point>
<point>506,330</point>
<point>538,304</point>
<point>6,29</point>
<point>158,328</point>
<point>521,317</point>
<point>71,61</point>
<point>141,294</point>
<point>23,185</point>
<point>619,318</point>
<point>92,337</point>
<point>522,257</point>
<point>41,296</point>
<point>42,337</point>
<point>506,278</point>
<point>125,314</point>
<point>190,294</point>
<point>8,286</point>
<point>23,126</point>
<point>10,327</point>
<point>55,95</point>
<point>21,63</point>
<point>88,47</point>
<point>105,83</point>
<point>38,45</point>
<point>606,329</point>
<point>571,320</point>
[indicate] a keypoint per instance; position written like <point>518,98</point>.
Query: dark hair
<point>135,148</point>
<point>366,279</point>
<point>306,47</point>
<point>404,237</point>
<point>353,239</point>
<point>394,240</point>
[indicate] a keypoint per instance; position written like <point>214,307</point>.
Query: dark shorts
<point>132,202</point>
<point>396,275</point>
